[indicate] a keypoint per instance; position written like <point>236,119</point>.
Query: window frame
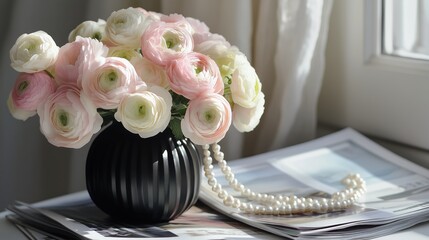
<point>373,43</point>
<point>377,94</point>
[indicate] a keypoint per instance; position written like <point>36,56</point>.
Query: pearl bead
<point>250,208</point>
<point>216,148</point>
<point>212,182</point>
<point>276,211</point>
<point>282,210</point>
<point>209,174</point>
<point>206,153</point>
<point>264,197</point>
<point>226,169</point>
<point>253,196</point>
<point>222,164</point>
<point>243,206</point>
<point>208,168</point>
<point>228,201</point>
<point>288,209</point>
<point>223,194</point>
<point>302,207</point>
<point>336,205</point>
<point>209,160</point>
<point>324,207</point>
<point>330,205</point>
<point>237,203</point>
<point>229,176</point>
<point>269,210</point>
<point>219,156</point>
<point>316,206</point>
<point>233,182</point>
<point>310,207</point>
<point>246,192</point>
<point>346,181</point>
<point>257,209</point>
<point>217,188</point>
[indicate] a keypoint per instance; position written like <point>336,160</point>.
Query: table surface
<point>9,231</point>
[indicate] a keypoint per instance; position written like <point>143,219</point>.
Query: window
<point>366,85</point>
<point>405,27</point>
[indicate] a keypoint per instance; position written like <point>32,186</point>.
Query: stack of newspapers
<point>397,198</point>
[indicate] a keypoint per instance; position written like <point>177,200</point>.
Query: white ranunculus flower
<point>222,54</point>
<point>146,112</point>
<point>245,84</point>
<point>124,52</point>
<point>33,52</point>
<point>246,119</point>
<point>126,26</point>
<point>89,29</point>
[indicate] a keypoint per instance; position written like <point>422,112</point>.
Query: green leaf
<point>178,99</point>
<point>175,128</point>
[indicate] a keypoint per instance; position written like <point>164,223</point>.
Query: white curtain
<point>289,57</point>
<point>284,38</point>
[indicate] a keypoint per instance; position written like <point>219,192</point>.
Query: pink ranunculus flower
<point>29,91</point>
<point>68,118</point>
<point>163,42</point>
<point>207,119</point>
<point>179,20</point>
<point>75,57</point>
<point>151,73</point>
<point>109,82</point>
<point>194,74</point>
<point>146,112</point>
<point>246,119</point>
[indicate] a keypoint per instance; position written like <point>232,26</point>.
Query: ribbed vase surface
<point>142,179</point>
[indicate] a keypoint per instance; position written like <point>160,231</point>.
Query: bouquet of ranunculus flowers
<point>146,70</point>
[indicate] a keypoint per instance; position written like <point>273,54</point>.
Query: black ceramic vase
<point>149,180</point>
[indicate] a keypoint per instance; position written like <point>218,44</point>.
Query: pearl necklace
<point>267,204</point>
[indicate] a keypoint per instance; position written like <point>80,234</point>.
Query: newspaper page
<point>397,190</point>
<point>79,218</point>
